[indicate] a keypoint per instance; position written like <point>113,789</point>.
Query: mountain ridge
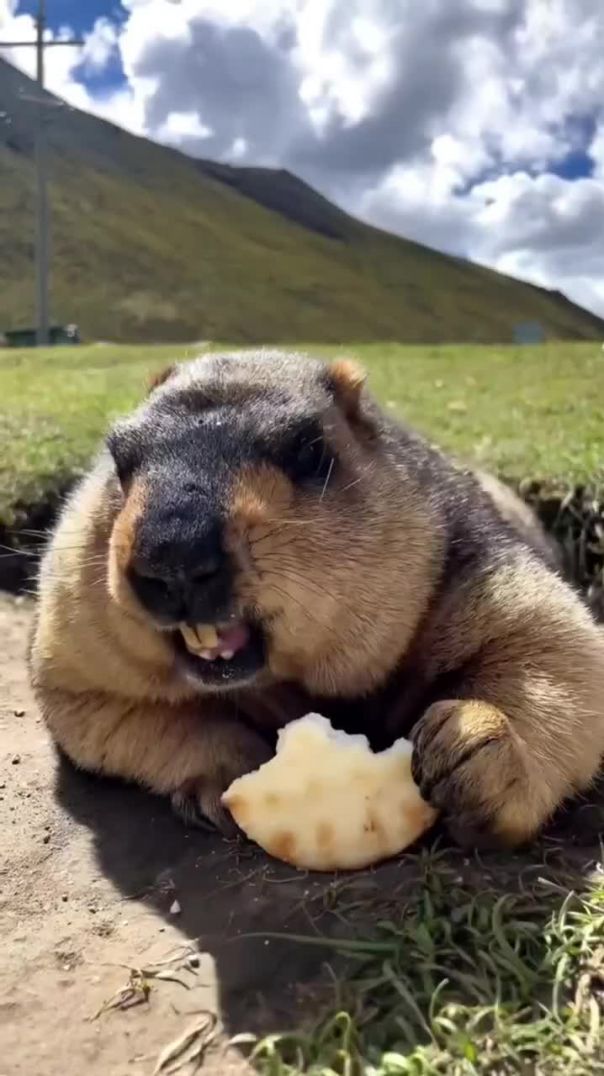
<point>152,245</point>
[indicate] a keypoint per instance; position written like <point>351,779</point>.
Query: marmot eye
<point>310,459</point>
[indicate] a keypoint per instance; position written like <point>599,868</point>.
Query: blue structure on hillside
<point>529,332</point>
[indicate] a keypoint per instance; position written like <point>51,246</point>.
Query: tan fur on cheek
<point>263,533</point>
<point>258,493</point>
<point>339,591</point>
<point>260,496</point>
<point>121,544</point>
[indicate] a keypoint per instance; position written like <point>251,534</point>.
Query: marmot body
<point>259,540</point>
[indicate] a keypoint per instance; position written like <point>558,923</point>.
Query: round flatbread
<point>327,802</point>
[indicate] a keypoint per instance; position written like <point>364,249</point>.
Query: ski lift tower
<point>41,162</point>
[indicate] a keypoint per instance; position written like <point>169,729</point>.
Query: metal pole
<point>41,106</point>
<point>42,216</point>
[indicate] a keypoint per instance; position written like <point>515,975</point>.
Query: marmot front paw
<point>198,800</point>
<point>470,766</point>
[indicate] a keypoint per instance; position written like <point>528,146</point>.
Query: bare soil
<point>90,871</point>
<point>99,882</point>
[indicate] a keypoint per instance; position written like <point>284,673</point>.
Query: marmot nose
<point>178,581</point>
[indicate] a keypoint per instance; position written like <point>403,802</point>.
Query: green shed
<point>58,335</point>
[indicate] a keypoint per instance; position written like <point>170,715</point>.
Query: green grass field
<point>524,412</point>
<point>469,967</point>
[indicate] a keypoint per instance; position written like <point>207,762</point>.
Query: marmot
<point>259,539</point>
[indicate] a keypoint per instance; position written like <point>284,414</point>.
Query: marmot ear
<point>161,377</point>
<point>347,379</point>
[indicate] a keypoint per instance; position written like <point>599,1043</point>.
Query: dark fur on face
<point>257,486</point>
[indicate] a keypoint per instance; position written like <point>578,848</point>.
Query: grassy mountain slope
<point>151,245</point>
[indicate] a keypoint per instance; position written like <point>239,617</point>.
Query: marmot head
<point>265,525</point>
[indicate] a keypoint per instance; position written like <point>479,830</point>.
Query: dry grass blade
<point>137,989</point>
<point>135,992</point>
<point>189,1047</point>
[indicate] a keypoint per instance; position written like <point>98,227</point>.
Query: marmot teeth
<point>201,637</point>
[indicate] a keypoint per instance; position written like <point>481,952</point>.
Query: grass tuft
<point>462,981</point>
<point>575,517</point>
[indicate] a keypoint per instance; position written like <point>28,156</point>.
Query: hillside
<point>149,244</point>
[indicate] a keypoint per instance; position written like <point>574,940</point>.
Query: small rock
<point>16,760</point>
<point>19,713</point>
<point>46,838</point>
<point>175,908</point>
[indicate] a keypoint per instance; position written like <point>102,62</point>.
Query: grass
<point>535,412</point>
<point>55,406</point>
<point>463,980</point>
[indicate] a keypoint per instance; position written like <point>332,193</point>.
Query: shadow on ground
<point>227,892</point>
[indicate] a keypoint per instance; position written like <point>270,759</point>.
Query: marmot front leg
<point>470,764</point>
<point>176,750</point>
<point>526,730</point>
<point>494,785</point>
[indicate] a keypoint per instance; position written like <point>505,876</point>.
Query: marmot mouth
<point>221,655</point>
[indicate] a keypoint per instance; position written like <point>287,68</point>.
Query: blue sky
<point>79,14</point>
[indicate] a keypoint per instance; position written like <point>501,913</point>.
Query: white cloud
<point>443,121</point>
<point>179,126</point>
<point>100,45</point>
<point>596,150</point>
<point>544,229</point>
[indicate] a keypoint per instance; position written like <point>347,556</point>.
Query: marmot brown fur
<point>337,562</point>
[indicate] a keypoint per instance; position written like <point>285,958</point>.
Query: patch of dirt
<point>121,929</point>
<point>89,877</point>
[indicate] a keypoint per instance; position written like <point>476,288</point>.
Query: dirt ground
<point>98,883</point>
<point>90,871</point>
